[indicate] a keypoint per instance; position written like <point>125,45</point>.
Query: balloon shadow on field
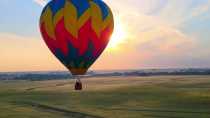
<point>47,108</point>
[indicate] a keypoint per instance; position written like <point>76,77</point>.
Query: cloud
<point>152,42</point>
<point>20,53</point>
<point>40,2</point>
<point>157,47</point>
<point>154,39</point>
<point>201,9</point>
<point>166,46</point>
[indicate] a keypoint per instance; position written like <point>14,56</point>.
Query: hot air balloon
<point>76,31</point>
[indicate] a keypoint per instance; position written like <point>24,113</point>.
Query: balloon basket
<point>78,83</point>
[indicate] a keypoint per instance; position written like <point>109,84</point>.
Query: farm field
<point>113,97</point>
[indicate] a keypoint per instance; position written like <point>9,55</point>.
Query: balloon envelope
<point>76,31</point>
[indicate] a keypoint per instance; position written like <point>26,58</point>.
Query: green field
<point>123,97</point>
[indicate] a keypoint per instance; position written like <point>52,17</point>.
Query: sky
<point>148,34</point>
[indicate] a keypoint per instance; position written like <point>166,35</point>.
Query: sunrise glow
<point>119,35</point>
<point>147,34</point>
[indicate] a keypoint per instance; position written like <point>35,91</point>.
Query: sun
<point>119,35</point>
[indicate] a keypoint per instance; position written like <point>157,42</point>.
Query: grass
<point>134,97</point>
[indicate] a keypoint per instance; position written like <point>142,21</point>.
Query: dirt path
<point>47,108</point>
